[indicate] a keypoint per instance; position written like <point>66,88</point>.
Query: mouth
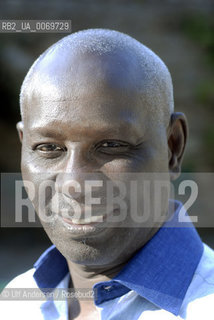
<point>86,226</point>
<point>87,221</point>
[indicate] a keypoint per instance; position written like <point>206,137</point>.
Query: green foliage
<point>2,284</point>
<point>209,136</point>
<point>208,141</point>
<point>205,92</point>
<point>200,28</point>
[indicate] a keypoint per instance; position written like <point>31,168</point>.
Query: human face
<point>97,126</point>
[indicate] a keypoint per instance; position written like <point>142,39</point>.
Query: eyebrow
<point>84,131</point>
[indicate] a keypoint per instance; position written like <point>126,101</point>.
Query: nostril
<point>71,192</point>
<point>86,185</point>
<point>71,188</point>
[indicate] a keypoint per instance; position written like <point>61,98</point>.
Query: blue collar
<point>160,272</point>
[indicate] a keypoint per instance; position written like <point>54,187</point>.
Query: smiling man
<point>97,107</point>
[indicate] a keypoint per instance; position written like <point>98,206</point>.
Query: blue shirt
<point>162,281</point>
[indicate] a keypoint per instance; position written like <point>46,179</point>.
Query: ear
<point>177,136</point>
<point>19,127</point>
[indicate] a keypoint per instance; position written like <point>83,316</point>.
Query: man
<point>97,105</point>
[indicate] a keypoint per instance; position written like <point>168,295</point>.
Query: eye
<point>50,149</point>
<point>113,147</point>
<point>112,144</point>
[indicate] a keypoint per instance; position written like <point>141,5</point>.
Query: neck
<point>83,276</point>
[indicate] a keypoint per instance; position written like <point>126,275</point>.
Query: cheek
<point>155,158</point>
<point>149,160</point>
<point>35,168</point>
<point>138,162</point>
<point>37,182</point>
<point>118,165</point>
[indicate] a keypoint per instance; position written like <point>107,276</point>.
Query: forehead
<point>89,117</point>
<point>67,74</point>
<point>88,91</point>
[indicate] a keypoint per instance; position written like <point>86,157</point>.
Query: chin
<point>79,251</point>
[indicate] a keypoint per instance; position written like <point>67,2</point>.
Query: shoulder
<point>12,304</point>
<point>199,299</point>
<point>204,273</point>
<point>31,304</point>
<point>24,280</point>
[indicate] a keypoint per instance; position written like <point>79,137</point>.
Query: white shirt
<point>171,277</point>
<point>197,304</point>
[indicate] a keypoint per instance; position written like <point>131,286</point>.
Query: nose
<point>78,185</point>
<point>78,169</point>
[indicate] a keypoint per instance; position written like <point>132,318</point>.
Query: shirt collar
<point>160,272</point>
<point>51,268</point>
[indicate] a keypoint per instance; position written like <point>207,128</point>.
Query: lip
<point>83,227</point>
<point>87,221</point>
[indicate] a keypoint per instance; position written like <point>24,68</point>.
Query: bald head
<point>99,58</point>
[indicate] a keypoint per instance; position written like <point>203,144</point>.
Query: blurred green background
<point>180,32</point>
